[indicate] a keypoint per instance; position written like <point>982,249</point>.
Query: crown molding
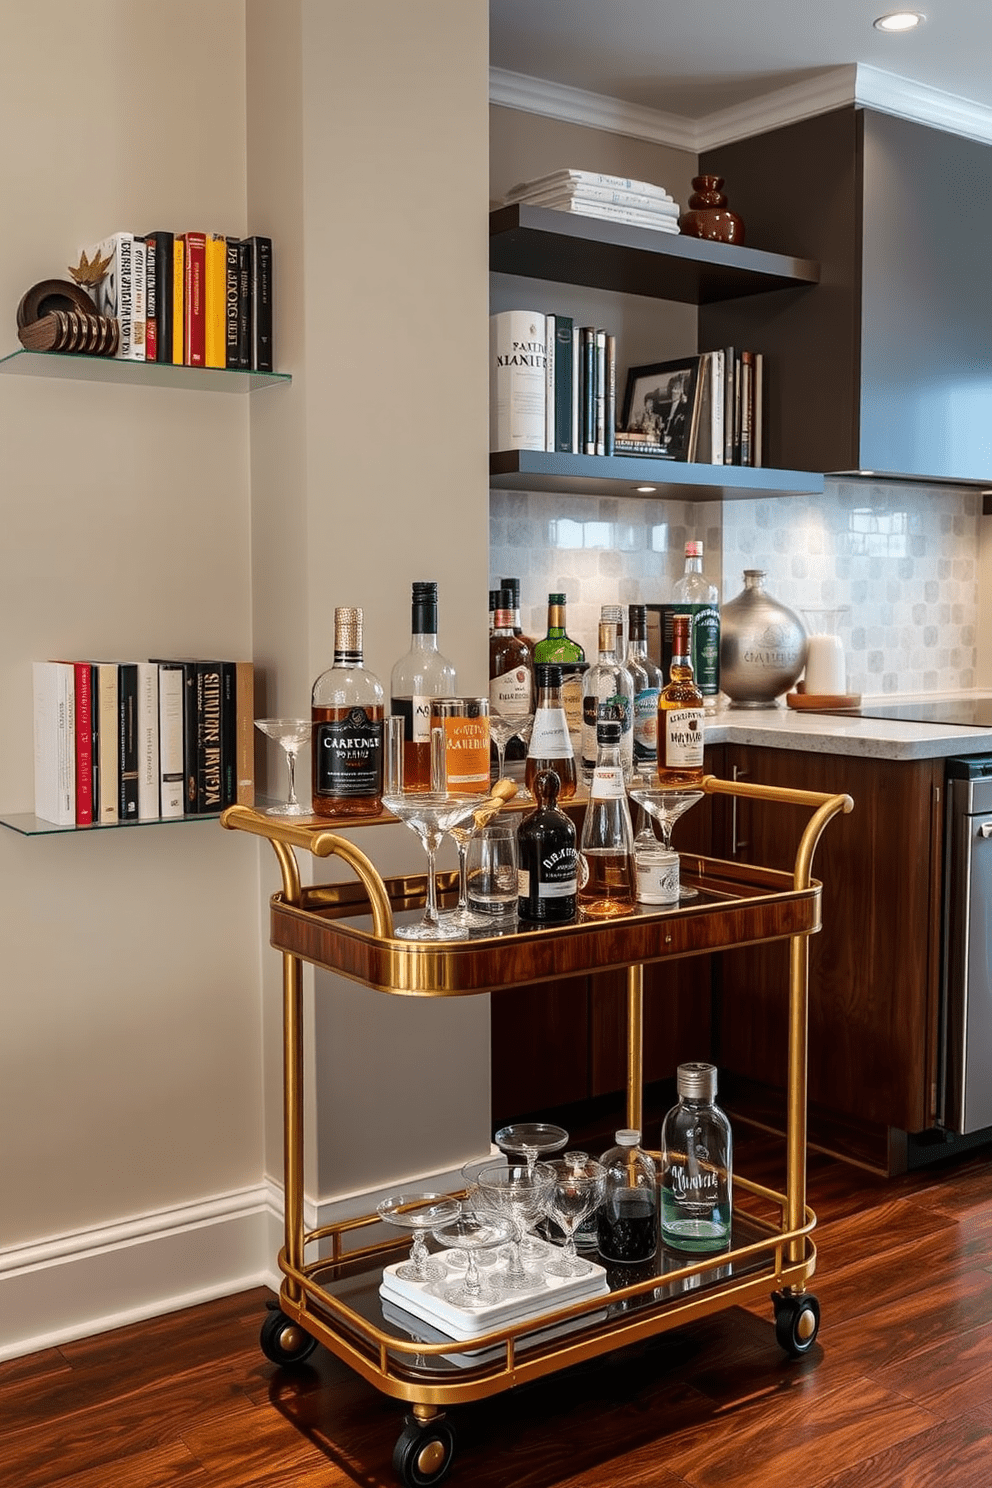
<point>852,84</point>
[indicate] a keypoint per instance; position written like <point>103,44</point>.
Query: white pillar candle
<point>825,670</point>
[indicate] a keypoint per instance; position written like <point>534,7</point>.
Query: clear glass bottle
<point>628,1215</point>
<point>607,691</point>
<point>548,859</point>
<point>346,743</point>
<point>695,596</point>
<point>422,674</point>
<point>550,746</point>
<point>680,716</point>
<point>607,884</point>
<point>696,1165</point>
<point>647,680</point>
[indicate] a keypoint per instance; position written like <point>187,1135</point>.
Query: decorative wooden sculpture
<point>58,315</point>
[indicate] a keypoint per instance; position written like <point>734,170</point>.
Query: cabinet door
<point>874,965</point>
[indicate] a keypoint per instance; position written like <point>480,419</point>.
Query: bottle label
<point>646,724</point>
<point>658,877</point>
<point>607,784</point>
<point>683,738</point>
<point>595,708</point>
<point>556,876</point>
<point>571,701</point>
<point>704,643</point>
<point>348,755</point>
<point>416,715</point>
<point>510,693</point>
<point>550,737</point>
<point>466,754</point>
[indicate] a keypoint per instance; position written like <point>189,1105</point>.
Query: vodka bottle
<point>695,596</point>
<point>607,692</point>
<point>647,680</point>
<point>423,673</point>
<point>346,744</point>
<point>696,1165</point>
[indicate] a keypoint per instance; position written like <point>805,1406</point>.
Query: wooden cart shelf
<point>331,1275</point>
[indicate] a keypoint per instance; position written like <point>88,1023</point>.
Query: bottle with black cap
<point>546,879</point>
<point>423,673</point>
<point>607,882</point>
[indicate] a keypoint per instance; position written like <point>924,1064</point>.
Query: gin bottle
<point>647,680</point>
<point>696,1165</point>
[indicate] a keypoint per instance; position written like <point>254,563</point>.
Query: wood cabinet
<point>884,368</point>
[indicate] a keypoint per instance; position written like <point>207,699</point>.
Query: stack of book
<point>120,741</point>
<point>592,194</point>
<point>192,299</point>
<point>725,423</point>
<point>552,384</point>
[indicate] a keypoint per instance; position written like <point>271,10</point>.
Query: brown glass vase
<point>707,216</point>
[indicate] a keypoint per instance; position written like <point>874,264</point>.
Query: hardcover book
<point>172,780</point>
<point>83,707</point>
<point>245,734</point>
<point>114,295</point>
<point>209,783</point>
<point>587,390</point>
<point>187,667</point>
<point>215,336</point>
<point>550,332</point>
<point>148,751</point>
<point>261,304</point>
<point>54,742</point>
<point>127,741</point>
<point>231,303</point>
<point>151,300</point>
<point>517,387</point>
<point>108,716</point>
<point>194,300</point>
<point>564,326</point>
<point>178,302</point>
<point>159,268</point>
<point>138,300</point>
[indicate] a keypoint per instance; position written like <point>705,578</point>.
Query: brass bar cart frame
<point>738,904</point>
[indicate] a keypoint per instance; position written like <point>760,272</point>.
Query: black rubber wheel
<point>283,1341</point>
<point>423,1453</point>
<point>797,1322</point>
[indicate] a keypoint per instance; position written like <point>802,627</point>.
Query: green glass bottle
<point>557,646</point>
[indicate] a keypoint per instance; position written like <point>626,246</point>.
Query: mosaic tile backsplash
<point>898,562</point>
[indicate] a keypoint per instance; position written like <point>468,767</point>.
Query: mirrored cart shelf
<point>152,374</point>
<point>29,825</point>
<point>629,475</point>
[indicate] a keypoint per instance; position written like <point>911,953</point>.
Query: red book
<point>84,742</point>
<point>194,299</point>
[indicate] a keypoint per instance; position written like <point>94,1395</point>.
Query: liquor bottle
<point>647,680</point>
<point>557,645</point>
<point>696,1165</point>
<point>423,673</point>
<point>346,743</point>
<point>680,716</point>
<point>513,585</point>
<point>607,692</point>
<point>548,860</point>
<point>511,668</point>
<point>628,1216</point>
<point>550,746</point>
<point>694,596</point>
<point>493,599</point>
<point>606,848</point>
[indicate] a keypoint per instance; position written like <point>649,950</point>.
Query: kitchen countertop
<point>871,738</point>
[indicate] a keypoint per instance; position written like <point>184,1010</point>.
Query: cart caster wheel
<point>422,1455</point>
<point>283,1341</point>
<point>797,1322</point>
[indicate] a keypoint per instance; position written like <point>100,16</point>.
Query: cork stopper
<point>348,629</point>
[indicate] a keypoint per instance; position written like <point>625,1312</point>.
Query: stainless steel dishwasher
<point>966,1007</point>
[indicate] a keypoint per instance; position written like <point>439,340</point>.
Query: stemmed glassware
<point>430,814</point>
<point>530,1140</point>
<point>473,1234</point>
<point>665,806</point>
<point>518,1193</point>
<point>502,729</point>
<point>419,1212</point>
<point>291,734</point>
<point>576,1190</point>
<point>462,916</point>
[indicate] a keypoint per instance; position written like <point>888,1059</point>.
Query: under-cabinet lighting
<point>645,490</point>
<point>899,20</point>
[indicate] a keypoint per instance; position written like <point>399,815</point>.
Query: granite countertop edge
<point>782,727</point>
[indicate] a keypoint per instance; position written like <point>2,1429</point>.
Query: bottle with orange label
<point>465,725</point>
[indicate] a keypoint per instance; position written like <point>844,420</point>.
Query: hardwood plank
<point>952,1454</point>
<point>160,1468</point>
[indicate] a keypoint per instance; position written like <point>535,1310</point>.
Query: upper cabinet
<point>886,368</point>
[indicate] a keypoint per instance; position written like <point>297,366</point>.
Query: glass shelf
<point>29,825</point>
<point>79,368</point>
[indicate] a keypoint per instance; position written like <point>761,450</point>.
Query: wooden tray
<point>823,700</point>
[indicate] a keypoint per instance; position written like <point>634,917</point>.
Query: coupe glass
<point>519,1194</point>
<point>530,1140</point>
<point>430,814</point>
<point>291,734</point>
<point>474,1234</point>
<point>576,1190</point>
<point>419,1212</point>
<point>666,806</point>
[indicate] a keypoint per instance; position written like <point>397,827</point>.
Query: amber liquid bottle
<point>680,716</point>
<point>346,744</point>
<point>511,667</point>
<point>550,745</point>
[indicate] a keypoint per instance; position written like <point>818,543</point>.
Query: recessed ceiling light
<point>645,490</point>
<point>899,20</point>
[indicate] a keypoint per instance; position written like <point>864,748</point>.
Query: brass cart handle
<point>827,808</point>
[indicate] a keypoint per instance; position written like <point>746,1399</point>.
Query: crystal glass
<point>419,1212</point>
<point>290,734</point>
<point>502,729</point>
<point>530,1140</point>
<point>491,870</point>
<point>430,814</point>
<point>473,1234</point>
<point>518,1193</point>
<point>462,915</point>
<point>666,806</point>
<point>576,1190</point>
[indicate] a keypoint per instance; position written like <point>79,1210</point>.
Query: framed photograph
<point>658,402</point>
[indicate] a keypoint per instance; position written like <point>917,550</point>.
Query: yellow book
<point>178,299</point>
<point>216,298</point>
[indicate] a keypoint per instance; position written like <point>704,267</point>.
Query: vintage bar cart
<point>333,1297</point>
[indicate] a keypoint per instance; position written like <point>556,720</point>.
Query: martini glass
<point>530,1140</point>
<point>576,1189</point>
<point>501,731</point>
<point>290,734</point>
<point>430,814</point>
<point>461,915</point>
<point>419,1212</point>
<point>666,806</point>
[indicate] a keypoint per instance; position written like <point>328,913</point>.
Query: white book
<point>54,742</point>
<point>107,742</point>
<point>633,218</point>
<point>758,430</point>
<point>588,178</point>
<point>172,780</point>
<point>602,196</point>
<point>139,318</point>
<point>115,293</point>
<point>550,330</point>
<point>717,375</point>
<point>148,765</point>
<point>518,380</point>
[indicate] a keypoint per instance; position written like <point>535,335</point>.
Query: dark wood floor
<point>896,1393</point>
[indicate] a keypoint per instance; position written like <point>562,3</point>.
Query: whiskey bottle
<point>513,586</point>
<point>511,667</point>
<point>550,746</point>
<point>695,596</point>
<point>422,674</point>
<point>647,680</point>
<point>548,860</point>
<point>346,744</point>
<point>680,716</point>
<point>607,884</point>
<point>607,692</point>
